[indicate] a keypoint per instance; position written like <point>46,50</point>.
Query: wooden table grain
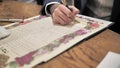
<point>20,10</point>
<point>87,54</point>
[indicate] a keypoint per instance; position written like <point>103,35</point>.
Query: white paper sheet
<point>111,60</point>
<point>43,33</point>
<point>39,33</point>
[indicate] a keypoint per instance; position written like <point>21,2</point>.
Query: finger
<point>74,10</point>
<point>56,17</point>
<point>66,19</point>
<point>61,16</point>
<point>58,20</point>
<point>65,10</point>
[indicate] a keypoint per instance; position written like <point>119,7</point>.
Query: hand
<point>63,15</point>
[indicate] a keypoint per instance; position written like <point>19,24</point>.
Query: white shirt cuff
<point>48,5</point>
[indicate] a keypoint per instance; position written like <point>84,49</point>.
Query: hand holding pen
<point>63,14</point>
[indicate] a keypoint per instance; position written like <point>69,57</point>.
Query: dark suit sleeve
<point>39,2</point>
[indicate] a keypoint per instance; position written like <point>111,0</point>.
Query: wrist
<point>53,7</point>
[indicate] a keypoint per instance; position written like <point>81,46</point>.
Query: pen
<point>16,22</point>
<point>9,26</point>
<point>64,3</point>
<point>11,20</point>
<point>76,16</point>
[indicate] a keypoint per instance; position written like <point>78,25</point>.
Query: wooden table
<point>13,9</point>
<point>87,54</point>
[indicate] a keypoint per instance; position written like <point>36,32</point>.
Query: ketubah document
<point>37,39</point>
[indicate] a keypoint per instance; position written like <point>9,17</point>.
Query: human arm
<point>63,15</point>
<point>59,6</point>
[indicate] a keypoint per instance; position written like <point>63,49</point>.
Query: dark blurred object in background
<point>115,16</point>
<point>1,0</point>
